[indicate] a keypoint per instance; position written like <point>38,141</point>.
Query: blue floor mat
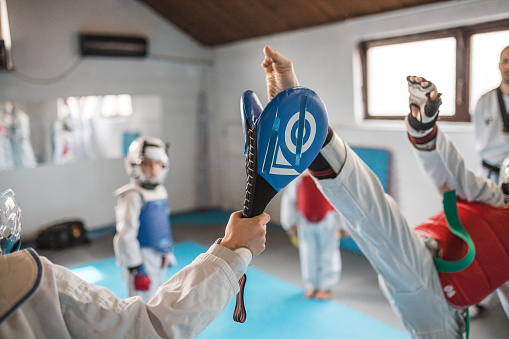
<point>275,308</point>
<point>208,216</point>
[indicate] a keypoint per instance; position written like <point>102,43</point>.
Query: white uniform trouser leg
<point>152,261</point>
<point>320,258</point>
<point>400,258</point>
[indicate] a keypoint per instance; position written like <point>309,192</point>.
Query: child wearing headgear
<point>143,242</point>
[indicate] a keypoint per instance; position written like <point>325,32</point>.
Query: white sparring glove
<point>419,128</point>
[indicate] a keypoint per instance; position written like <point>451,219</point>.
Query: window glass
<point>116,105</point>
<point>388,66</point>
<point>485,56</point>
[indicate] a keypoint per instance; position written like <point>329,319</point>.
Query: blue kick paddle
<point>281,141</point>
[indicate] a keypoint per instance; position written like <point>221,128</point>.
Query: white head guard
<point>10,222</point>
<point>149,148</point>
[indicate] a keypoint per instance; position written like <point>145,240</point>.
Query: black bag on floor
<point>62,235</point>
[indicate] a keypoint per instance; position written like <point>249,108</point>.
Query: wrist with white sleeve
<point>422,132</point>
<point>329,162</point>
<point>237,259</point>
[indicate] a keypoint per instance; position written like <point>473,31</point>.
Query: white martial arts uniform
<point>63,142</point>
<point>492,143</point>
<point>407,273</point>
<point>6,152</point>
<point>39,299</point>
<point>320,258</point>
<point>132,199</point>
<point>24,156</point>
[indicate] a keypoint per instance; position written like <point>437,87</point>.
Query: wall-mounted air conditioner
<point>112,45</point>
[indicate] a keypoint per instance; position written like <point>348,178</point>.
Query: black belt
<point>490,166</point>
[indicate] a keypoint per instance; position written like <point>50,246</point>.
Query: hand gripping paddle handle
<point>273,157</point>
<point>239,315</point>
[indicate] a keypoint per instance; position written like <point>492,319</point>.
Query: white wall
<point>326,60</point>
<point>45,44</point>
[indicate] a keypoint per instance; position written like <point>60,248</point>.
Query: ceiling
<point>216,22</point>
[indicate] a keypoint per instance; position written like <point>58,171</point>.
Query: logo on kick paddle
<point>290,132</point>
<point>299,135</point>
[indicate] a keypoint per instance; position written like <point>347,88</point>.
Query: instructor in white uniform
<point>491,123</point>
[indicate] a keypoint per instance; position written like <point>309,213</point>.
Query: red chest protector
<point>310,201</point>
<point>488,227</point>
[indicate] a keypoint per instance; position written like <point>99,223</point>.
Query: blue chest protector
<point>155,229</point>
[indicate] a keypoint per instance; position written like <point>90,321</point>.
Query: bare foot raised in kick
<point>279,72</point>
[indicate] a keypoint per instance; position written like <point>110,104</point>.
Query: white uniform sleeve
<point>198,293</point>
<point>289,213</point>
<point>446,169</point>
<point>478,119</point>
<point>127,214</point>
<point>64,306</point>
